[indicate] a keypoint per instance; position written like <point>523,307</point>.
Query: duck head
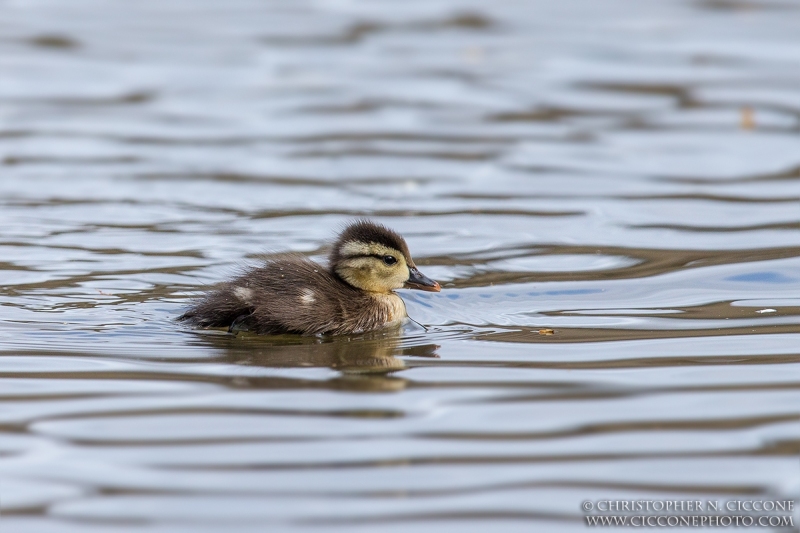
<point>374,258</point>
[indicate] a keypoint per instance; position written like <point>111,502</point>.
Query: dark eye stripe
<point>381,257</point>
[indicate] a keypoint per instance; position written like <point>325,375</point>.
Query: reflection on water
<point>607,191</point>
<point>370,353</point>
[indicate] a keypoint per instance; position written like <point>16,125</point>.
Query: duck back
<point>294,295</point>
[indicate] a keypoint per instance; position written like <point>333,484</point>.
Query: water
<point>625,174</point>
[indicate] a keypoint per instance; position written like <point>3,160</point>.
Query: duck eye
<point>389,259</point>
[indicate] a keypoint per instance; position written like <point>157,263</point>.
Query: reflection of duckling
<point>375,352</point>
<point>296,295</point>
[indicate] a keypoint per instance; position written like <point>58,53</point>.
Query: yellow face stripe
<point>363,267</point>
<point>354,248</point>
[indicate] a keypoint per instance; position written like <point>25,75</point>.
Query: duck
<point>354,293</point>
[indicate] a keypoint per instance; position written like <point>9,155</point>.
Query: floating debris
<point>748,118</point>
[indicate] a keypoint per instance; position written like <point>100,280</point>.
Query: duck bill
<point>418,280</point>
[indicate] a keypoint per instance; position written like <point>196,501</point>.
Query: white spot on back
<point>308,297</point>
<point>243,293</point>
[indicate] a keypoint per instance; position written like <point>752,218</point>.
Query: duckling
<point>354,294</point>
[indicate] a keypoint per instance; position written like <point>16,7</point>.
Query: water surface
<point>625,174</point>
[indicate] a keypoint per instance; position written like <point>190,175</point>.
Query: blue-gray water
<point>626,174</point>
